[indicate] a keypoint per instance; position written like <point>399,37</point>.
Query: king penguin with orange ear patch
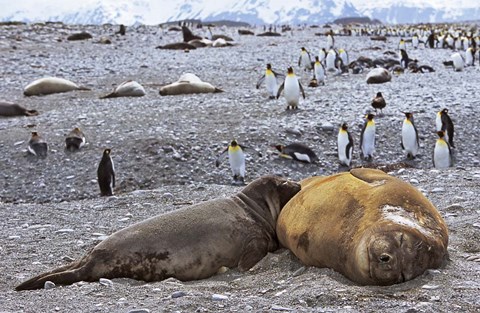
<point>270,78</point>
<point>292,91</point>
<point>367,138</point>
<point>344,146</point>
<point>410,143</point>
<point>442,154</point>
<point>305,60</point>
<point>236,158</point>
<point>106,174</point>
<point>37,145</point>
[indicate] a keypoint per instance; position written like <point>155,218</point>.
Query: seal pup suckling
<point>188,244</point>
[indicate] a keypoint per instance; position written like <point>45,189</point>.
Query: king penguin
<point>470,57</point>
<point>106,174</point>
<point>75,140</point>
<point>305,60</point>
<point>410,143</point>
<point>415,41</point>
<point>344,146</point>
<point>342,53</point>
<point>367,138</point>
<point>330,61</point>
<point>404,58</point>
<point>458,62</point>
<point>319,71</point>
<point>37,145</point>
<point>444,123</point>
<point>236,158</point>
<point>401,45</point>
<point>297,151</point>
<point>292,88</point>
<point>322,54</point>
<point>270,78</point>
<point>330,41</point>
<point>379,102</point>
<point>442,154</point>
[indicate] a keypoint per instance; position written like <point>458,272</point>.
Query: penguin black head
<point>234,143</point>
<point>34,134</point>
<point>370,116</point>
<point>317,59</point>
<point>106,151</point>
<point>303,48</point>
<point>279,147</point>
<point>408,115</point>
<point>441,134</point>
<point>269,66</point>
<point>445,111</point>
<point>379,94</point>
<point>290,70</point>
<point>344,126</point>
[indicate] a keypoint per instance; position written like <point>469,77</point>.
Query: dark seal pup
<point>14,109</point>
<point>188,244</point>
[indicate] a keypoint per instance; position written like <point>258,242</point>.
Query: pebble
<point>414,181</point>
<point>217,297</point>
<point>178,294</point>
<point>280,308</point>
<point>64,231</point>
<point>438,190</point>
<point>430,287</point>
<point>139,311</point>
<point>49,285</point>
<point>327,126</point>
<point>105,282</point>
<point>13,237</point>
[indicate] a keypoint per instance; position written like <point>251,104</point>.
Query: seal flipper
<point>254,251</point>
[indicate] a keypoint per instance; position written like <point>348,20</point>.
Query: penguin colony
<point>329,62</point>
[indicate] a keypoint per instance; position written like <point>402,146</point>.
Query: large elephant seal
<point>49,85</point>
<point>188,244</point>
<point>188,83</point>
<point>371,227</point>
<point>378,76</point>
<point>14,109</point>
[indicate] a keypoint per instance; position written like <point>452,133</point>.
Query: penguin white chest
<point>292,90</point>
<point>271,84</point>
<point>236,159</point>
<point>409,138</point>
<point>438,122</point>
<point>330,61</point>
<point>368,141</point>
<point>344,156</point>
<point>319,73</point>
<point>441,155</point>
<point>457,62</point>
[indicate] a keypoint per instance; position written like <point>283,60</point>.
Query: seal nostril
<point>384,258</point>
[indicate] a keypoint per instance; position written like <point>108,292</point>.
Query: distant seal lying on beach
<point>14,109</point>
<point>129,88</point>
<point>378,76</point>
<point>371,227</point>
<point>187,84</point>
<point>188,244</point>
<point>49,85</point>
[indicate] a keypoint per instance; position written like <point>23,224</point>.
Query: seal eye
<point>384,258</point>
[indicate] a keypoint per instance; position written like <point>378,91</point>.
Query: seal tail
<point>218,90</point>
<point>83,88</point>
<point>110,95</point>
<point>64,275</point>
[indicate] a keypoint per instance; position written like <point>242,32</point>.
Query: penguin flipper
<point>301,89</point>
<point>280,89</point>
<point>260,81</point>
<point>221,157</point>
<point>300,60</point>
<point>278,75</point>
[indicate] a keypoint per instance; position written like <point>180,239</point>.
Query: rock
<point>280,308</point>
<point>105,282</point>
<point>178,294</point>
<point>218,297</point>
<point>49,285</point>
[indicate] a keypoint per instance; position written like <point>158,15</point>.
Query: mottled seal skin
<point>49,85</point>
<point>378,76</point>
<point>188,83</point>
<point>371,227</point>
<point>14,109</point>
<point>188,244</point>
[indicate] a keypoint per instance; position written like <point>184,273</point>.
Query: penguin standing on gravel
<point>270,78</point>
<point>442,154</point>
<point>37,145</point>
<point>322,54</point>
<point>410,143</point>
<point>444,123</point>
<point>401,45</point>
<point>415,41</point>
<point>297,151</point>
<point>75,140</point>
<point>236,158</point>
<point>344,146</point>
<point>106,174</point>
<point>319,71</point>
<point>379,102</point>
<point>470,57</point>
<point>292,87</point>
<point>330,41</point>
<point>404,60</point>
<point>367,138</point>
<point>458,62</point>
<point>330,61</point>
<point>305,60</point>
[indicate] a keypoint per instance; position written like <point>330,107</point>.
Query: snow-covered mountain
<point>252,11</point>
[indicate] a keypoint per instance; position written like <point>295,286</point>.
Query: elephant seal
<point>177,46</point>
<point>187,244</point>
<point>49,85</point>
<point>187,84</point>
<point>371,227</point>
<point>378,76</point>
<point>14,109</point>
<point>129,88</point>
